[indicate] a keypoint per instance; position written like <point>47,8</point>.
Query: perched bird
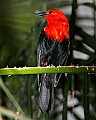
<point>52,50</point>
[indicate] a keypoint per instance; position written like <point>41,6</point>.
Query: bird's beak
<point>41,13</point>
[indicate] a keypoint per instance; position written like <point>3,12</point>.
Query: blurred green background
<point>19,32</point>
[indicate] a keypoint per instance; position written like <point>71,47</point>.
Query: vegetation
<point>19,32</point>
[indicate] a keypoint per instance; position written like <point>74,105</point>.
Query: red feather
<point>57,24</point>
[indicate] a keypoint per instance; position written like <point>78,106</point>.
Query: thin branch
<point>48,69</point>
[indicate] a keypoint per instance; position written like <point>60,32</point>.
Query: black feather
<point>50,52</point>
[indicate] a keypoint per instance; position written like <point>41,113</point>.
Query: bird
<point>53,49</point>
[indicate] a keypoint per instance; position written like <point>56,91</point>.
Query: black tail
<point>46,93</point>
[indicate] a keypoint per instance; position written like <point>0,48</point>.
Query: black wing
<point>50,52</point>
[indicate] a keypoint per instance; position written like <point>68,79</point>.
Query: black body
<point>50,52</point>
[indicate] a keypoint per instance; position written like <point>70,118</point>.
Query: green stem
<point>10,96</point>
<point>30,94</point>
<point>11,114</point>
<point>65,95</point>
<point>86,96</point>
<point>48,69</point>
<point>72,28</point>
<point>72,88</point>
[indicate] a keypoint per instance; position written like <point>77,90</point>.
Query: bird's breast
<point>57,32</point>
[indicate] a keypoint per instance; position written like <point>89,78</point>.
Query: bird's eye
<point>50,12</point>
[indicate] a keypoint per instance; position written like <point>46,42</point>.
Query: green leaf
<point>87,39</point>
<point>92,5</point>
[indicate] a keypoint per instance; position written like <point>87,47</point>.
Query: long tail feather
<point>46,93</point>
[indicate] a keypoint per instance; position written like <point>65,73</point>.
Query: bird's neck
<point>58,31</point>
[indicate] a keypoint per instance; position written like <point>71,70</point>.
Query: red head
<point>58,26</point>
